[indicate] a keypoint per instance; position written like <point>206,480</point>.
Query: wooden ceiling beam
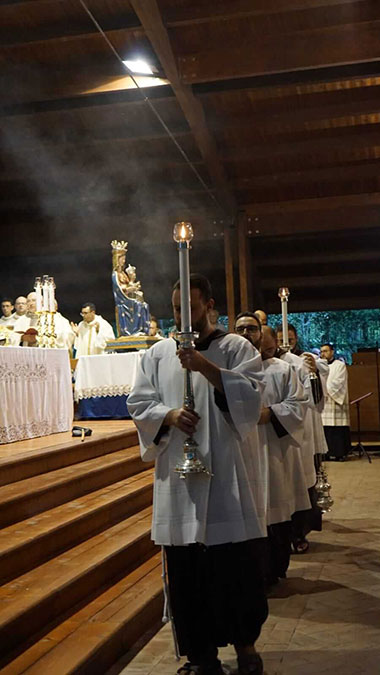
<point>333,280</point>
<point>315,204</point>
<point>316,145</point>
<point>312,258</point>
<point>149,14</point>
<point>318,304</point>
<point>198,11</point>
<point>335,45</point>
<point>275,179</point>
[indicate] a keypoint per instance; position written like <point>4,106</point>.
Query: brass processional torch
<point>322,486</point>
<point>183,234</point>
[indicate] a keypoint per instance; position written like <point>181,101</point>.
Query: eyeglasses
<point>84,313</point>
<point>249,329</point>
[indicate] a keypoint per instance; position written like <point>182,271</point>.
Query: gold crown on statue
<point>119,245</point>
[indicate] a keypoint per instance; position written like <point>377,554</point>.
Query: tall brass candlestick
<point>183,234</point>
<point>283,294</point>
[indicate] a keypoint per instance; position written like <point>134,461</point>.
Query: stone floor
<point>325,618</point>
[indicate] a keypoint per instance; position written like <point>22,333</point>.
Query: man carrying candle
<point>212,525</point>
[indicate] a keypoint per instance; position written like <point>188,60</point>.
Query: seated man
<point>20,307</point>
<point>7,319</point>
<point>93,333</point>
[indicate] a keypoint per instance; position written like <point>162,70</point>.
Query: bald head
<point>20,305</point>
<point>262,316</point>
<point>31,306</point>
<point>268,343</point>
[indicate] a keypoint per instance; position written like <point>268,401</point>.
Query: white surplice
<point>64,332</point>
<point>88,341</point>
<point>313,441</point>
<point>285,395</point>
<point>229,506</point>
<point>337,408</point>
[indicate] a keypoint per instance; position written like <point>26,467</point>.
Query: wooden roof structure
<point>261,126</point>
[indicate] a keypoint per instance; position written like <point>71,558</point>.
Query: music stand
<point>359,447</point>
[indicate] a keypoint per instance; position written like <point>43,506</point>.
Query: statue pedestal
<point>131,343</point>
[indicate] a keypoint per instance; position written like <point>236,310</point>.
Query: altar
<point>102,385</point>
<point>35,393</point>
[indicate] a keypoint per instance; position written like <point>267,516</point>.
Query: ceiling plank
<point>199,11</point>
<point>333,280</point>
<point>315,204</point>
<point>150,17</point>
<point>336,45</point>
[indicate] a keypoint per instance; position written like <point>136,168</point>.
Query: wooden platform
<point>80,577</point>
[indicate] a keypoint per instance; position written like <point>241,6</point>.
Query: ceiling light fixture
<point>139,67</point>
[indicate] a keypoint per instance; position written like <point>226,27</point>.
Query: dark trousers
<point>279,549</point>
<point>217,596</point>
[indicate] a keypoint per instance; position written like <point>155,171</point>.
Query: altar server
<point>213,527</point>
<point>285,405</point>
<point>313,443</point>
<point>93,333</point>
<point>336,413</point>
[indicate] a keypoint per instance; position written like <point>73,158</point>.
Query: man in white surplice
<point>213,527</point>
<point>336,413</point>
<point>281,428</point>
<point>93,333</point>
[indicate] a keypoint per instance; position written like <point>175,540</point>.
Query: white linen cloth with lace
<point>105,375</point>
<point>35,393</point>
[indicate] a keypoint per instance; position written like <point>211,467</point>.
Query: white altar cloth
<point>105,375</point>
<point>35,393</point>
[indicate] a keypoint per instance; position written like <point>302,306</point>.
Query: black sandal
<point>300,546</point>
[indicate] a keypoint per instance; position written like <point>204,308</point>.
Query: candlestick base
<point>187,339</point>
<point>191,463</point>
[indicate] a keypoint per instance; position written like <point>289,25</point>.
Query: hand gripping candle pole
<point>183,234</point>
<point>283,294</point>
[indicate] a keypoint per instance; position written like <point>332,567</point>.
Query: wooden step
<point>29,543</point>
<point>34,462</point>
<point>97,635</point>
<point>37,598</point>
<point>30,496</point>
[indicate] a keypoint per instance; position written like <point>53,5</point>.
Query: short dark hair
<point>329,345</point>
<point>251,315</point>
<point>271,332</point>
<point>201,283</point>
<point>278,329</point>
<point>90,306</point>
<point>153,318</point>
<point>7,300</point>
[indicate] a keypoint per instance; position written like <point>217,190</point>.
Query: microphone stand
<point>359,448</point>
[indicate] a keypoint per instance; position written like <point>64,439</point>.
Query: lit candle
<point>183,234</point>
<point>51,294</point>
<point>283,294</point>
<point>45,293</point>
<point>38,289</point>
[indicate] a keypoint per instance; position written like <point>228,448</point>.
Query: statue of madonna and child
<point>132,312</point>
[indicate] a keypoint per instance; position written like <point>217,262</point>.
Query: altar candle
<point>183,234</point>
<point>284,294</point>
<point>38,289</point>
<point>45,293</point>
<point>51,295</point>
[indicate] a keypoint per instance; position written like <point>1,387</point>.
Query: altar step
<point>32,463</point>
<point>28,543</point>
<point>32,495</point>
<point>81,577</point>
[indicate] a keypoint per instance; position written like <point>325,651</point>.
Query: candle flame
<point>183,232</point>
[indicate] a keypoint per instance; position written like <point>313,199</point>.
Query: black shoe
<point>253,666</point>
<point>191,669</point>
